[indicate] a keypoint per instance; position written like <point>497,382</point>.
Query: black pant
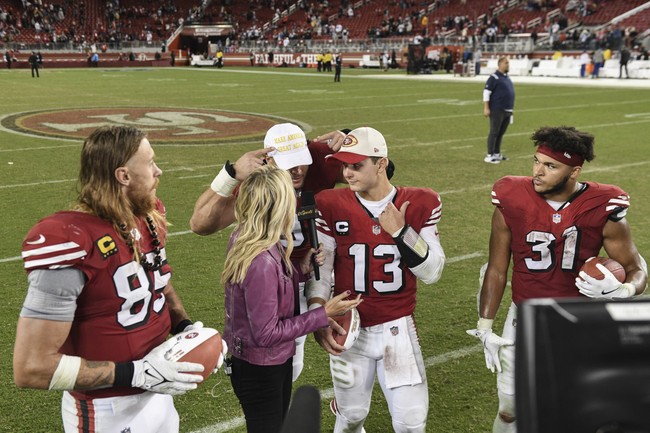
<point>337,73</point>
<point>620,70</point>
<point>499,121</point>
<point>35,68</point>
<point>264,393</point>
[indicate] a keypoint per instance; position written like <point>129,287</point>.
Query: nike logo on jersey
<point>40,240</point>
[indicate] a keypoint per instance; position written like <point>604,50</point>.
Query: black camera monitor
<point>583,366</point>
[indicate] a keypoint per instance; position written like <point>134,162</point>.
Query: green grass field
<point>436,135</point>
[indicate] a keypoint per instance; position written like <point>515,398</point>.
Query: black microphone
<point>304,414</point>
<point>307,212</point>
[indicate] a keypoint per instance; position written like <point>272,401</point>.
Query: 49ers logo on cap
<point>171,125</point>
<point>350,140</point>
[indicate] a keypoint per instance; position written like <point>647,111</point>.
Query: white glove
<point>222,357</point>
<point>156,374</point>
<point>609,287</point>
<point>492,343</point>
<point>194,326</point>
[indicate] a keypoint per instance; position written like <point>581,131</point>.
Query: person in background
<point>599,60</point>
<point>338,62</point>
<point>477,59</point>
<point>623,59</point>
<point>261,283</point>
<point>100,302</point>
<point>219,58</point>
<point>379,239</point>
<point>549,225</point>
<point>498,105</point>
<point>585,59</point>
<point>33,62</point>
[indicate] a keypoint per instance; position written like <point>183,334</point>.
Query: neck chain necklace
<point>155,242</point>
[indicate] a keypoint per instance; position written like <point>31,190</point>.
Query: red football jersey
<point>549,246</point>
<point>367,261</point>
<point>121,312</point>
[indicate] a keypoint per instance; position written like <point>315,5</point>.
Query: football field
<point>199,118</point>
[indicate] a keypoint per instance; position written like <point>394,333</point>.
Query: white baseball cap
<point>359,144</point>
<point>290,145</point>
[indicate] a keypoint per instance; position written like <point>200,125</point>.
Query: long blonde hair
<point>265,211</point>
<point>106,149</point>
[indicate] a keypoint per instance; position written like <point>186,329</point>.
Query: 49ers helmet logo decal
<point>171,125</point>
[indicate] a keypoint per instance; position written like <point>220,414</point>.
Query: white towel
<point>400,365</point>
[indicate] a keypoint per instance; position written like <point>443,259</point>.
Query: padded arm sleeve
<point>52,294</point>
<point>323,287</point>
<point>430,270</point>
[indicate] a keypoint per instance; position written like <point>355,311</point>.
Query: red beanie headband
<point>567,158</point>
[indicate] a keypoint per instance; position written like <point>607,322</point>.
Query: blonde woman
<point>262,313</point>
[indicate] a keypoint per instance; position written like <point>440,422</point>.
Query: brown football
<point>202,346</point>
<point>351,322</point>
<point>612,265</point>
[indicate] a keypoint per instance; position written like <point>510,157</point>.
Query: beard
<point>143,201</point>
<point>558,187</point>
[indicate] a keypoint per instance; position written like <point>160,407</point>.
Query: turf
<point>436,135</point>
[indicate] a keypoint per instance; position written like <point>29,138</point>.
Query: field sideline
<point>436,136</point>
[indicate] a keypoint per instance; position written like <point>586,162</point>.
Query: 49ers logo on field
<point>172,125</point>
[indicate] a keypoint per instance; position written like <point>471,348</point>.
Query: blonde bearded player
<point>100,302</point>
<point>378,239</point>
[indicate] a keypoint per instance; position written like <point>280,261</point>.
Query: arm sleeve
<point>430,270</point>
<point>323,287</point>
<point>486,95</point>
<point>52,294</point>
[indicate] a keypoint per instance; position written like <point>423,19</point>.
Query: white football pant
<point>353,375</point>
<point>299,357</point>
<point>142,413</point>
<point>506,379</point>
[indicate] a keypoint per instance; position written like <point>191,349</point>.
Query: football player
<point>286,146</point>
<point>379,239</point>
<point>550,224</point>
<point>100,303</point>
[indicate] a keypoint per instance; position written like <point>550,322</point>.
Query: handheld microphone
<point>304,413</point>
<point>307,212</point>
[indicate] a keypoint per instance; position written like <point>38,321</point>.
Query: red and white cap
<point>359,144</point>
<point>290,145</point>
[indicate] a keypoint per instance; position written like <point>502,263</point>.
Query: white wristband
<point>484,324</point>
<point>65,376</point>
<point>314,306</point>
<point>628,289</point>
<point>223,184</point>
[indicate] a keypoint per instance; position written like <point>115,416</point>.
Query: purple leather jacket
<point>261,325</point>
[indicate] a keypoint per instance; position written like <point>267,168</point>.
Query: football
<point>202,346</point>
<point>351,322</point>
<point>614,267</point>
